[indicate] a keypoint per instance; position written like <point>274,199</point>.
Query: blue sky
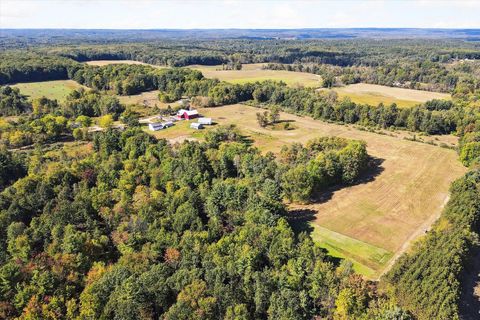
<point>151,14</point>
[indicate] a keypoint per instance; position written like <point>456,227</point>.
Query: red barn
<point>187,114</point>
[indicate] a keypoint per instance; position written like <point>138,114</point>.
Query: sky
<point>246,14</point>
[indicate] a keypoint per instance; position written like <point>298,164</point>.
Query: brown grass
<point>374,94</point>
<point>254,72</point>
<point>101,63</point>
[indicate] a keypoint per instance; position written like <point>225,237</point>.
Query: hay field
<point>254,72</point>
<point>367,223</point>
<point>58,89</point>
<point>101,63</point>
<point>374,94</point>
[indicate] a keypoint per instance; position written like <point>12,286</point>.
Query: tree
<point>262,119</point>
<point>328,81</point>
<point>84,121</point>
<point>106,121</point>
<point>470,153</point>
<point>193,302</point>
<point>78,134</point>
<point>297,184</point>
<point>274,114</point>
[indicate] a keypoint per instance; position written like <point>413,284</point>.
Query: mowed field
<point>58,89</point>
<point>254,72</point>
<point>101,63</point>
<point>374,94</point>
<point>371,222</point>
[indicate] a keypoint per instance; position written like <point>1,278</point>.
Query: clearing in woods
<point>101,63</point>
<point>374,94</point>
<point>58,89</point>
<point>254,72</point>
<point>367,223</point>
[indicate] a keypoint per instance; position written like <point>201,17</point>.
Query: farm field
<point>58,89</point>
<point>372,222</point>
<point>101,63</point>
<point>149,98</point>
<point>374,94</point>
<point>254,72</point>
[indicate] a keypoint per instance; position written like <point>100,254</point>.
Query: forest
<point>433,64</point>
<point>134,227</point>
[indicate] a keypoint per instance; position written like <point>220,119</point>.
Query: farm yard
<point>374,94</point>
<point>58,89</point>
<point>369,223</point>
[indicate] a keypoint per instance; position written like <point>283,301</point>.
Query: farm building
<point>205,121</point>
<point>159,126</point>
<point>187,114</point>
<point>167,124</point>
<point>196,125</point>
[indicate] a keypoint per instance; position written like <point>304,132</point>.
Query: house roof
<point>191,112</point>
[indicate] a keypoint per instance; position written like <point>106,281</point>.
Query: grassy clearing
<point>374,94</point>
<point>101,63</point>
<point>254,72</point>
<point>375,218</point>
<point>58,89</point>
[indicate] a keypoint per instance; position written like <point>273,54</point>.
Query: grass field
<point>368,223</point>
<point>374,94</point>
<point>254,72</point>
<point>101,63</point>
<point>58,89</point>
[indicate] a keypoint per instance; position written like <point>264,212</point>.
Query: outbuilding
<point>159,126</point>
<point>155,126</point>
<point>167,124</point>
<point>196,125</point>
<point>205,121</point>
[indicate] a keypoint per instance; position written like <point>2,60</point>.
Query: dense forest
<point>137,228</point>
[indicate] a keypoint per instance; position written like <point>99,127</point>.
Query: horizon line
<point>300,28</point>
